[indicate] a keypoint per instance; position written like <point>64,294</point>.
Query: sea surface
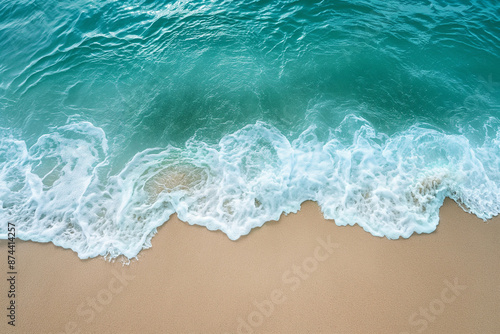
<point>114,115</point>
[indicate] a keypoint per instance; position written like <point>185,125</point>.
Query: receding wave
<point>61,189</point>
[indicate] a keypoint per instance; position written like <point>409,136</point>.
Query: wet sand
<point>302,274</point>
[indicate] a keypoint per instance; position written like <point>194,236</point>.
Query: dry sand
<point>196,281</point>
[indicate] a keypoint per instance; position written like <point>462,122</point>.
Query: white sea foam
<point>60,189</point>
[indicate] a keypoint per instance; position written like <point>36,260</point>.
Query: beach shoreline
<point>300,274</point>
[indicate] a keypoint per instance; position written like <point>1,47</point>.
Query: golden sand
<point>302,274</point>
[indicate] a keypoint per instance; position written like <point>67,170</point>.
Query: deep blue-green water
<point>116,114</point>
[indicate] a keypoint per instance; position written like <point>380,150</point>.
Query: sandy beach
<point>302,274</point>
<point>163,133</point>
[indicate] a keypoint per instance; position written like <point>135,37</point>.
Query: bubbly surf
<point>116,115</point>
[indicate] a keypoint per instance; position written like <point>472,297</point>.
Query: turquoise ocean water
<point>116,114</point>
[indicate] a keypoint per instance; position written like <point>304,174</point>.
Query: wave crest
<point>61,189</point>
